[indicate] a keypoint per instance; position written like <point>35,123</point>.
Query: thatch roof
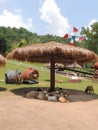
<point>63,53</point>
<point>73,65</point>
<point>2,60</point>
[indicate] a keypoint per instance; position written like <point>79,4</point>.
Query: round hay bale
<point>32,94</point>
<point>18,79</point>
<point>35,74</point>
<point>13,77</point>
<point>30,74</point>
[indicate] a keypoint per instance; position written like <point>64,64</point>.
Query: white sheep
<point>51,98</point>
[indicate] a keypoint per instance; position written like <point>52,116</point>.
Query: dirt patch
<point>19,113</point>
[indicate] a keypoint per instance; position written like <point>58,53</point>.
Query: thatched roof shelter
<point>63,53</point>
<point>53,52</point>
<point>2,60</point>
<point>73,65</point>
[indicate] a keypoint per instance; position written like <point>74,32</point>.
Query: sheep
<point>32,94</point>
<point>65,93</point>
<point>44,92</point>
<point>41,96</point>
<point>63,99</point>
<point>51,98</point>
<point>89,89</point>
<point>39,89</point>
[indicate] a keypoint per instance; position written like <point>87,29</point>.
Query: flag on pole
<point>75,29</point>
<point>81,39</point>
<point>67,36</point>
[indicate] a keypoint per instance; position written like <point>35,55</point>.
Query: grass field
<point>44,78</point>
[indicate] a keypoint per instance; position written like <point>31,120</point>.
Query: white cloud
<point>56,23</point>
<point>41,1</point>
<point>14,20</point>
<point>90,23</point>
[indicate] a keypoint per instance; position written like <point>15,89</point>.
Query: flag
<point>75,29</point>
<point>65,36</point>
<point>81,39</point>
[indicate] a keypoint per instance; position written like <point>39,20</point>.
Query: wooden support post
<point>52,73</point>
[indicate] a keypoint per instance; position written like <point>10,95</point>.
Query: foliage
<point>91,37</point>
<point>2,44</point>
<point>15,37</point>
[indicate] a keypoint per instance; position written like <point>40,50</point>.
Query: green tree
<point>91,37</point>
<point>2,44</point>
<point>20,37</point>
<point>23,42</point>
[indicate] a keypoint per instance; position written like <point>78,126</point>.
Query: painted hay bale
<point>13,77</point>
<point>31,74</point>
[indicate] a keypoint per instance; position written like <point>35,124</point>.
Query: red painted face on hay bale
<point>35,74</point>
<point>30,74</point>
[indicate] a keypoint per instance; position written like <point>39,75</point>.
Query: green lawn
<point>44,78</point>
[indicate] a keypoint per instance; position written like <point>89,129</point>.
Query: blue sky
<point>56,17</point>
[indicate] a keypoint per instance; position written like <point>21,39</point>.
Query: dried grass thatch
<point>2,60</point>
<point>63,53</point>
<point>73,65</point>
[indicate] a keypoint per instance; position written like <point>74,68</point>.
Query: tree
<point>2,44</point>
<point>22,43</point>
<point>91,35</point>
<point>15,37</point>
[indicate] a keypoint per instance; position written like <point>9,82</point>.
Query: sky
<point>55,17</point>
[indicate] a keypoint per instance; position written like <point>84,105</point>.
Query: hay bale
<point>30,76</point>
<point>13,77</point>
